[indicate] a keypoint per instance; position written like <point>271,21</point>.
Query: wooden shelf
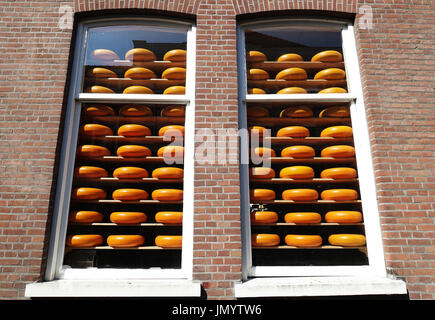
<point>155,83</point>
<point>272,84</point>
<point>116,120</point>
<point>127,202</point>
<point>120,66</point>
<point>276,66</point>
<point>310,161</point>
<point>111,224</point>
<point>306,224</point>
<point>315,202</point>
<point>308,141</point>
<point>327,247</point>
<point>129,140</point>
<point>114,181</point>
<point>303,181</point>
<point>111,248</point>
<point>120,160</point>
<point>308,122</point>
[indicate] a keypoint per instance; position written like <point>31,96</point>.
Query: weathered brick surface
<point>397,68</point>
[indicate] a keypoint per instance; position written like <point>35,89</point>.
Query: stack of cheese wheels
<point>97,110</point>
<point>327,56</point>
<point>338,151</point>
<point>125,240</point>
<point>85,216</point>
<point>139,73</point>
<point>265,240</point>
<point>169,217</point>
<point>263,217</point>
<point>300,194</point>
<point>257,112</point>
<point>127,217</point>
<point>292,90</point>
<point>173,111</point>
<point>292,74</point>
<point>84,240</point>
<point>91,151</point>
<point>140,55</point>
<point>259,131</point>
<point>95,130</point>
<point>133,151</point>
<point>262,195</point>
<point>261,173</point>
<point>293,132</point>
<point>297,172</point>
<point>263,152</point>
<point>347,240</point>
<point>104,55</point>
<point>299,152</point>
<point>175,90</point>
<point>290,57</point>
<point>175,55</point>
<point>257,74</point>
<point>133,130</point>
<point>172,131</point>
<point>337,132</point>
<point>90,172</point>
<point>87,193</point>
<point>129,194</point>
<point>339,194</point>
<point>296,112</point>
<point>171,152</point>
<point>256,91</point>
<point>303,241</point>
<point>255,56</point>
<point>135,110</point>
<point>174,73</point>
<point>330,74</point>
<point>343,216</point>
<point>168,173</point>
<point>137,90</point>
<point>167,194</point>
<point>98,89</point>
<point>169,241</point>
<point>303,217</point>
<point>101,73</point>
<point>333,90</point>
<point>130,173</point>
<point>335,112</point>
<point>339,173</point>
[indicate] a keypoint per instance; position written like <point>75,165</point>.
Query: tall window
<point>124,196</point>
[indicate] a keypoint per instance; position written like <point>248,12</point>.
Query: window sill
<point>114,288</point>
<point>318,286</point>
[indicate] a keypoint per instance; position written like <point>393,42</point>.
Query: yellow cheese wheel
<point>98,89</point>
<point>168,173</point>
<point>166,241</point>
<point>121,217</point>
<point>297,172</point>
<point>90,172</point>
<point>293,132</point>
<point>347,240</point>
<point>171,152</point>
<point>255,56</point>
<point>300,194</point>
<point>137,90</point>
<point>261,173</point>
<point>264,152</point>
<point>173,111</point>
<point>335,112</point>
<point>175,55</point>
<point>101,73</point>
<point>104,55</point>
<point>257,74</point>
<point>89,150</point>
<point>84,216</point>
<point>296,112</point>
<point>333,90</point>
<point>303,241</point>
<point>327,56</point>
<point>262,217</point>
<point>125,240</point>
<point>133,151</point>
<point>337,132</point>
<point>172,130</point>
<point>290,57</point>
<point>175,90</point>
<point>95,130</point>
<point>292,74</point>
<point>130,173</point>
<point>330,74</point>
<point>174,73</point>
<point>299,152</point>
<point>84,240</point>
<point>303,217</point>
<point>167,194</point>
<point>257,112</point>
<point>262,195</point>
<point>139,73</point>
<point>259,130</point>
<point>292,90</point>
<point>85,193</point>
<point>256,91</point>
<point>338,173</point>
<point>343,216</point>
<point>339,194</point>
<point>135,110</point>
<point>140,54</point>
<point>97,110</point>
<point>265,240</point>
<point>133,130</point>
<point>169,217</point>
<point>129,194</point>
<point>338,151</point>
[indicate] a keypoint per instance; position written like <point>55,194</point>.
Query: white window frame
<point>376,262</point>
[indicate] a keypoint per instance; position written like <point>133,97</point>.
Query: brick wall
<point>397,70</point>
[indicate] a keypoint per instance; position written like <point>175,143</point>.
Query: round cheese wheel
<point>90,172</point>
<point>173,111</point>
<point>339,194</point>
<point>171,152</point>
<point>84,216</point>
<point>256,91</point>
<point>264,152</point>
<point>137,90</point>
<point>330,74</point>
<point>139,73</point>
<point>128,217</point>
<point>257,112</point>
<point>101,73</point>
<point>86,193</point>
<point>299,152</point>
<point>335,112</point>
<point>135,110</point>
<point>132,151</point>
<point>175,73</point>
<point>130,173</point>
<point>255,56</point>
<point>343,216</point>
<point>129,194</point>
<point>338,151</point>
<point>89,150</point>
<point>327,56</point>
<point>125,240</point>
<point>167,194</point>
<point>95,130</point>
<point>293,132</point>
<point>303,241</point>
<point>104,55</point>
<point>84,240</point>
<point>265,240</point>
<point>290,57</point>
<point>176,55</point>
<point>347,240</point>
<point>292,74</point>
<point>300,194</point>
<point>165,241</point>
<point>303,217</point>
<point>172,130</point>
<point>260,131</point>
<point>338,173</point>
<point>262,217</point>
<point>297,172</point>
<point>98,89</point>
<point>261,173</point>
<point>257,74</point>
<point>337,132</point>
<point>175,90</point>
<point>133,130</point>
<point>140,54</point>
<point>169,217</point>
<point>291,90</point>
<point>98,110</point>
<point>296,112</point>
<point>333,90</point>
<point>262,195</point>
<point>168,173</point>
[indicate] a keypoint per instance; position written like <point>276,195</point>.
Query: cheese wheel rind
<point>300,152</point>
<point>89,150</point>
<point>86,193</point>
<point>175,90</point>
<point>174,73</point>
<point>256,91</point>
<point>296,112</point>
<point>327,56</point>
<point>293,132</point>
<point>333,90</point>
<point>84,216</point>
<point>302,217</point>
<point>168,173</point>
<point>132,151</point>
<point>257,74</point>
<point>265,240</point>
<point>169,217</point>
<point>167,194</point>
<point>130,173</point>
<point>137,90</point>
<point>101,73</point>
<point>84,240</point>
<point>330,74</point>
<point>132,110</point>
<point>300,194</point>
<point>175,55</point>
<point>343,216</point>
<point>140,54</point>
<point>347,240</point>
<point>297,172</point>
<point>292,90</point>
<point>339,194</point>
<point>169,241</point>
<point>305,241</point>
<point>105,55</point>
<point>339,173</point>
<point>139,73</point>
<point>262,217</point>
<point>255,56</point>
<point>133,130</point>
<point>126,217</point>
<point>262,195</point>
<point>129,194</point>
<point>290,57</point>
<point>125,240</point>
<point>337,132</point>
<point>261,173</point>
<point>292,74</point>
<point>173,111</point>
<point>91,172</point>
<point>264,152</point>
<point>335,112</point>
<point>98,110</point>
<point>98,89</point>
<point>172,130</point>
<point>338,151</point>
